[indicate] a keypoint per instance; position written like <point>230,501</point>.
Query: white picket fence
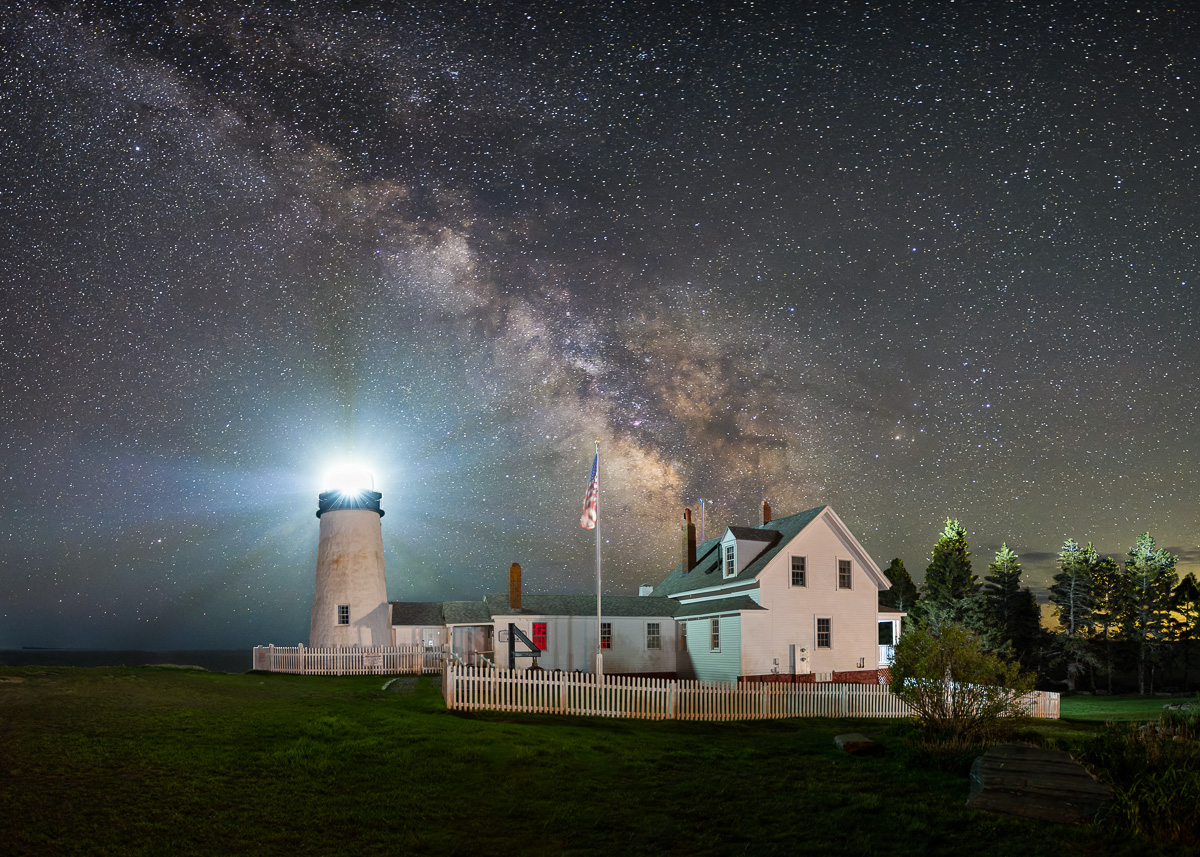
<point>468,688</point>
<point>350,660</point>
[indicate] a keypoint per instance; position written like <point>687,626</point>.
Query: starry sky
<point>914,260</point>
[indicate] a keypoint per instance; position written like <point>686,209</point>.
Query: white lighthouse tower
<point>350,606</point>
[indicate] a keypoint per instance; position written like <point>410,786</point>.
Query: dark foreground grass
<point>121,761</point>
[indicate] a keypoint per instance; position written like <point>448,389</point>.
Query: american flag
<point>588,521</point>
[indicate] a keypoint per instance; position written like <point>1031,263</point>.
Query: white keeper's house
<point>793,599</point>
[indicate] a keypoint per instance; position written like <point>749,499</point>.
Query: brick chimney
<point>514,587</point>
<point>689,541</point>
<point>766,515</point>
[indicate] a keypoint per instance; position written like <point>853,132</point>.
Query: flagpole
<point>599,623</point>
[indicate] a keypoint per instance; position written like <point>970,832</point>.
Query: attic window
<point>843,574</point>
<point>730,560</point>
<point>799,576</point>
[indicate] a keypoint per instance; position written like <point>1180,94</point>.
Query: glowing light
<point>348,478</point>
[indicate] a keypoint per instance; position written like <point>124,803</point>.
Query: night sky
<point>914,260</point>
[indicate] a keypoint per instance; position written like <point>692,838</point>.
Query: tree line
<point>1136,615</point>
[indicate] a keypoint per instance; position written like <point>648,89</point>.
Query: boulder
<point>856,743</point>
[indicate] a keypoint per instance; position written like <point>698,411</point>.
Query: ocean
<point>216,660</point>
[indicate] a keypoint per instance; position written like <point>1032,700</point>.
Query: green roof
<point>481,612</point>
<point>417,613</point>
<point>466,613</point>
<point>707,572</point>
<point>714,606</point>
<point>583,605</point>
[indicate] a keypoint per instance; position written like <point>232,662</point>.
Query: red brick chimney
<point>689,541</point>
<point>514,587</point>
<point>766,516</point>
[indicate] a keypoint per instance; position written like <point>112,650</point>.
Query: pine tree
<point>1071,595</point>
<point>1027,632</point>
<point>1151,580</point>
<point>1186,604</point>
<point>1109,596</point>
<point>1002,590</point>
<point>903,594</point>
<point>948,579</point>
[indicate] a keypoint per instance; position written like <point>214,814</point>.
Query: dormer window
<point>729,560</point>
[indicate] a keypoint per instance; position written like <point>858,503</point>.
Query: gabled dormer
<point>740,546</point>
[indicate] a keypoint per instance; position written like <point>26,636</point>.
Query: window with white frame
<point>843,574</point>
<point>343,614</point>
<point>799,571</point>
<point>730,559</point>
<point>825,633</point>
<point>606,635</point>
<point>714,639</point>
<point>653,635</point>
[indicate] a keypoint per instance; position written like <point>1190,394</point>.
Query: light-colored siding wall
<point>571,643</point>
<point>413,635</point>
<point>791,613</point>
<point>708,665</point>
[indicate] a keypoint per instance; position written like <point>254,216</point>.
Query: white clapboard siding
<point>350,660</point>
<point>534,691</point>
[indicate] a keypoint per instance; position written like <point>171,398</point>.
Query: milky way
<point>911,260</point>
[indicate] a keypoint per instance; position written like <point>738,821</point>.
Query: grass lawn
<point>150,761</point>
<point>1101,708</point>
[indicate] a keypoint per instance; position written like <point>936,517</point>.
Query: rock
<point>1021,779</point>
<point>856,743</point>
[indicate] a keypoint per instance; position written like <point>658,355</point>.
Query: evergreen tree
<point>1186,604</point>
<point>1002,589</point>
<point>903,594</point>
<point>1026,628</point>
<point>1151,580</point>
<point>1108,599</point>
<point>1071,595</point>
<point>1011,611</point>
<point>948,579</point>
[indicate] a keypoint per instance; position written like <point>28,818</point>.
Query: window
<point>824,634</point>
<point>885,634</point>
<point>653,635</point>
<point>343,614</point>
<point>798,576</point>
<point>843,574</point>
<point>683,637</point>
<point>714,642</point>
<point>730,559</point>
<point>606,635</point>
<point>539,635</point>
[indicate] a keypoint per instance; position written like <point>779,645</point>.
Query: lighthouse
<point>350,606</point>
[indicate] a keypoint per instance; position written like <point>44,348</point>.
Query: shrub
<point>958,690</point>
<point>1155,779</point>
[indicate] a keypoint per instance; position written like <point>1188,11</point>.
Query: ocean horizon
<point>215,660</point>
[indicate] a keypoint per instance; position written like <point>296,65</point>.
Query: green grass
<point>1102,708</point>
<point>122,761</point>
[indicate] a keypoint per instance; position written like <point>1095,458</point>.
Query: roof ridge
<point>793,515</point>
